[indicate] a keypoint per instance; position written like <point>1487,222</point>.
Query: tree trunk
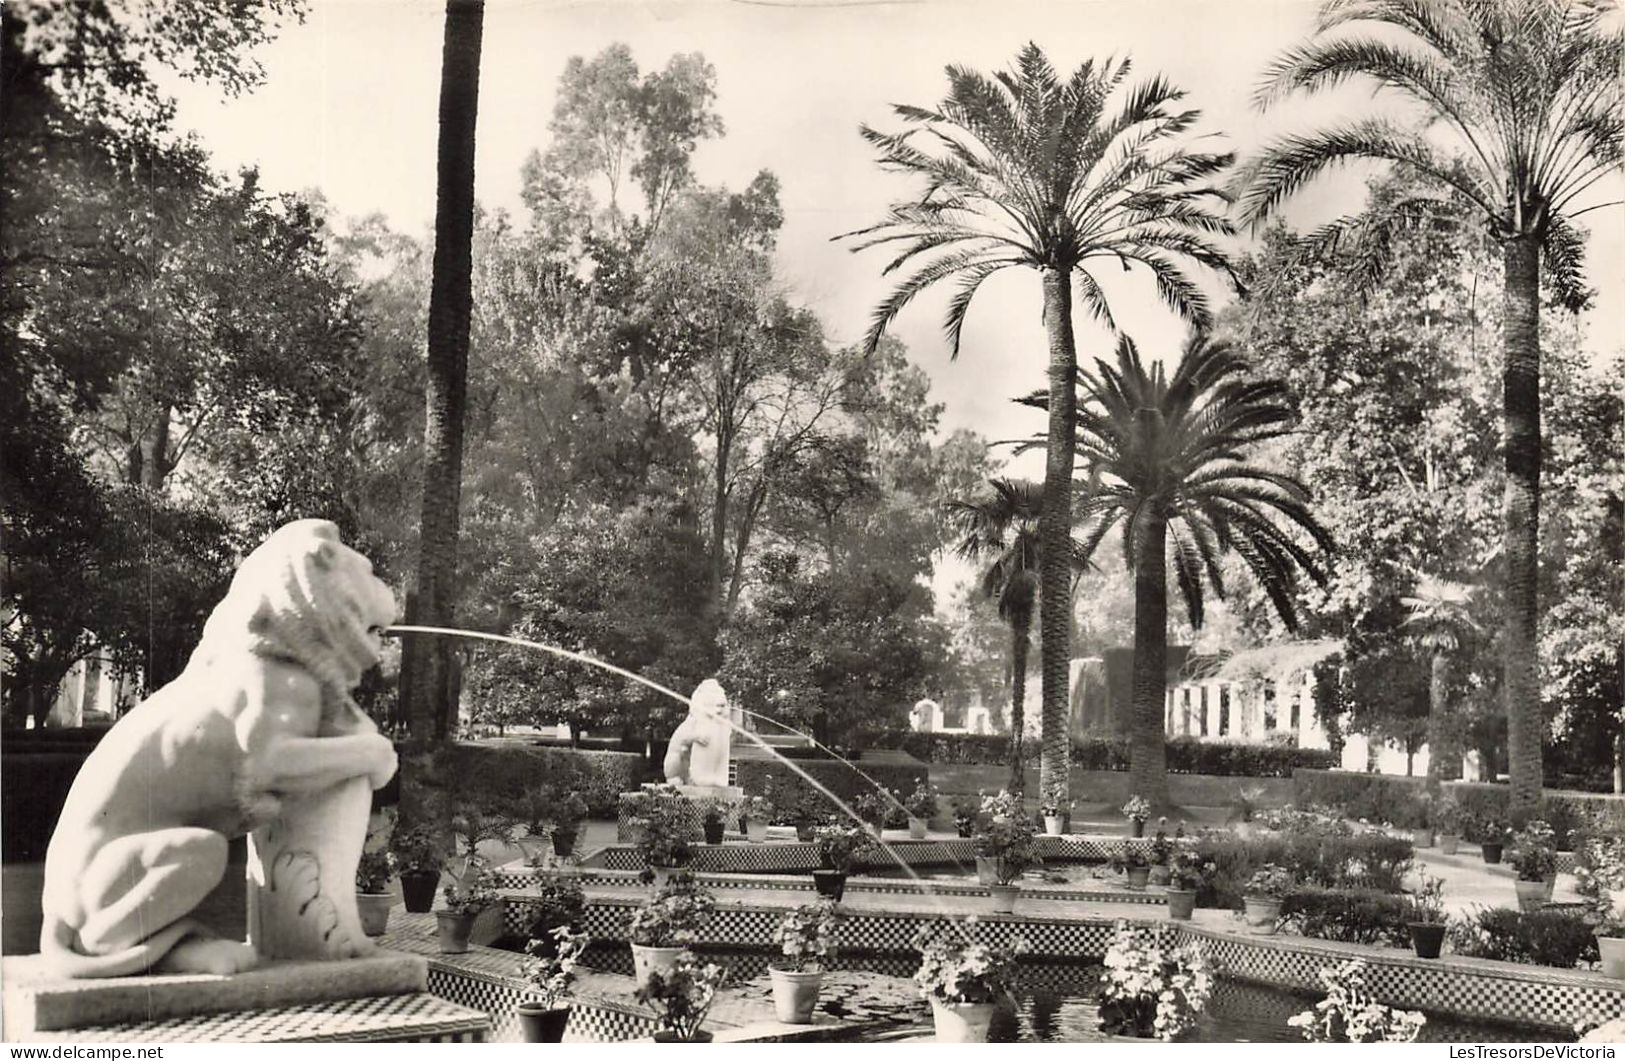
<point>1148,769</point>
<point>1521,406</point>
<point>1439,742</point>
<point>1054,532</point>
<point>1020,637</point>
<point>431,709</point>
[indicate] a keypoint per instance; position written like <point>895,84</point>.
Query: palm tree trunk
<point>1054,532</point>
<point>1020,636</point>
<point>1439,743</point>
<point>1521,406</point>
<point>431,698</point>
<point>1148,769</point>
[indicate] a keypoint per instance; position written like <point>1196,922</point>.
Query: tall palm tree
<point>1027,170</point>
<point>1171,455</point>
<point>1528,93</point>
<point>430,696</point>
<point>1439,617</point>
<point>1004,526</point>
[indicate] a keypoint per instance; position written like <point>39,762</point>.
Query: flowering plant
<point>1447,815</point>
<point>373,872</point>
<point>1427,901</point>
<point>1186,872</point>
<point>682,996</point>
<point>550,966</point>
<point>1162,849</point>
<point>1150,987</point>
<point>1055,801</point>
<point>806,935</point>
<point>417,849</point>
<point>1349,1015</point>
<point>1137,809</point>
<point>872,807</point>
<point>1130,856</point>
<point>1007,837</point>
<point>673,916</point>
<point>756,809</point>
<point>472,892</point>
<point>922,802</point>
<point>560,901</point>
<point>840,844</point>
<point>1534,853</point>
<point>954,970</point>
<point>1599,877</point>
<point>1270,882</point>
<point>664,824</point>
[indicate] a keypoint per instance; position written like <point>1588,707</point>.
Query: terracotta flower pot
<point>795,994</point>
<point>755,831</point>
<point>1052,825</point>
<point>830,883</point>
<point>806,832</point>
<point>564,841</point>
<point>374,910</point>
<point>540,1024</point>
<point>1612,949</point>
<point>1427,937</point>
<point>1139,877</point>
<point>1181,904</point>
<point>417,891</point>
<point>965,829</point>
<point>987,871</point>
<point>916,828</point>
<point>646,960</point>
<point>1449,842</point>
<point>673,1037</point>
<point>1531,895</point>
<point>1004,897</point>
<point>964,1022</point>
<point>1262,913</point>
<point>1160,876</point>
<point>1491,852</point>
<point>1551,885</point>
<point>454,929</point>
<point>714,830</point>
<point>1136,828</point>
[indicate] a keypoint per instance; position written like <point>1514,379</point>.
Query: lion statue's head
<point>304,595</point>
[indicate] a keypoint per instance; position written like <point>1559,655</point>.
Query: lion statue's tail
<point>57,946</point>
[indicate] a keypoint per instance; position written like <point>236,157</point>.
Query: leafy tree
<point>1027,170</point>
<point>1529,93</point>
<point>1168,463</point>
<point>427,672</point>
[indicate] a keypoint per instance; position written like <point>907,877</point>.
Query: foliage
<point>806,935</point>
<point>1447,816</point>
<point>1161,848</point>
<point>1427,900</point>
<point>550,970</point>
<point>1348,1014</point>
<point>955,971</point>
<point>847,782</point>
<point>374,872</point>
<point>664,822</point>
<point>1599,877</point>
<point>1534,851</point>
<point>922,802</point>
<point>1005,833</point>
<point>1310,821</point>
<point>1270,882</point>
<point>1366,860</point>
<point>1151,987</point>
<point>673,916</point>
<point>417,849</point>
<point>682,995</point>
<point>1543,937</point>
<point>559,902</point>
<point>1184,755</point>
<point>1349,915</point>
<point>757,809</point>
<point>1137,809</point>
<point>840,844</point>
<point>1378,797</point>
<point>1187,872</point>
<point>473,892</point>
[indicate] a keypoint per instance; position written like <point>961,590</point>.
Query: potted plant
<point>712,826</point>
<point>681,996</point>
<point>1491,839</point>
<point>549,971</point>
<point>839,845</point>
<point>1135,863</point>
<point>559,902</point>
<point>1534,860</point>
<point>1600,880</point>
<point>569,811</point>
<point>922,807</point>
<point>1427,922</point>
<point>372,896</point>
<point>664,926</point>
<point>1138,811</point>
<point>1150,987</point>
<point>663,826</point>
<point>470,894</point>
<point>1266,890</point>
<point>1056,809</point>
<point>1422,815</point>
<point>755,814</point>
<point>1007,844</point>
<point>806,938</point>
<point>962,980</point>
<point>965,817</point>
<point>1447,820</point>
<point>1159,853</point>
<point>1185,875</point>
<point>418,857</point>
<point>872,807</point>
<point>1348,1013</point>
<point>807,819</point>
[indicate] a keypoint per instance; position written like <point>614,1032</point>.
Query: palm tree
<point>431,702</point>
<point>1439,615</point>
<point>1004,526</point>
<point>1171,458</point>
<point>1027,170</point>
<point>1529,94</point>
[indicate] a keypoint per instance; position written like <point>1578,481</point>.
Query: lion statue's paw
<point>221,957</point>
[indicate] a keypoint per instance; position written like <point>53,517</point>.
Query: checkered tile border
<point>417,1018</point>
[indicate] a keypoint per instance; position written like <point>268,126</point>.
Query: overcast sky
<point>349,108</point>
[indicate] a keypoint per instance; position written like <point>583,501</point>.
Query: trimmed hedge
<point>1544,937</point>
<point>1385,798</point>
<point>1350,915</point>
<point>1185,755</point>
<point>1366,861</point>
<point>788,791</point>
<point>500,772</point>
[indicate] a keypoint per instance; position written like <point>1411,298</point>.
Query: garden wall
<point>1386,798</point>
<point>506,769</point>
<point>1112,787</point>
<point>1185,755</point>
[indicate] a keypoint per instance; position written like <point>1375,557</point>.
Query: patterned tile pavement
<point>420,1018</point>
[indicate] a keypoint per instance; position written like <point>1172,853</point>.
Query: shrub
<point>1349,915</point>
<point>1544,937</point>
<point>673,916</point>
<point>500,774</point>
<point>796,798</point>
<point>1372,861</point>
<point>560,903</point>
<point>1185,755</point>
